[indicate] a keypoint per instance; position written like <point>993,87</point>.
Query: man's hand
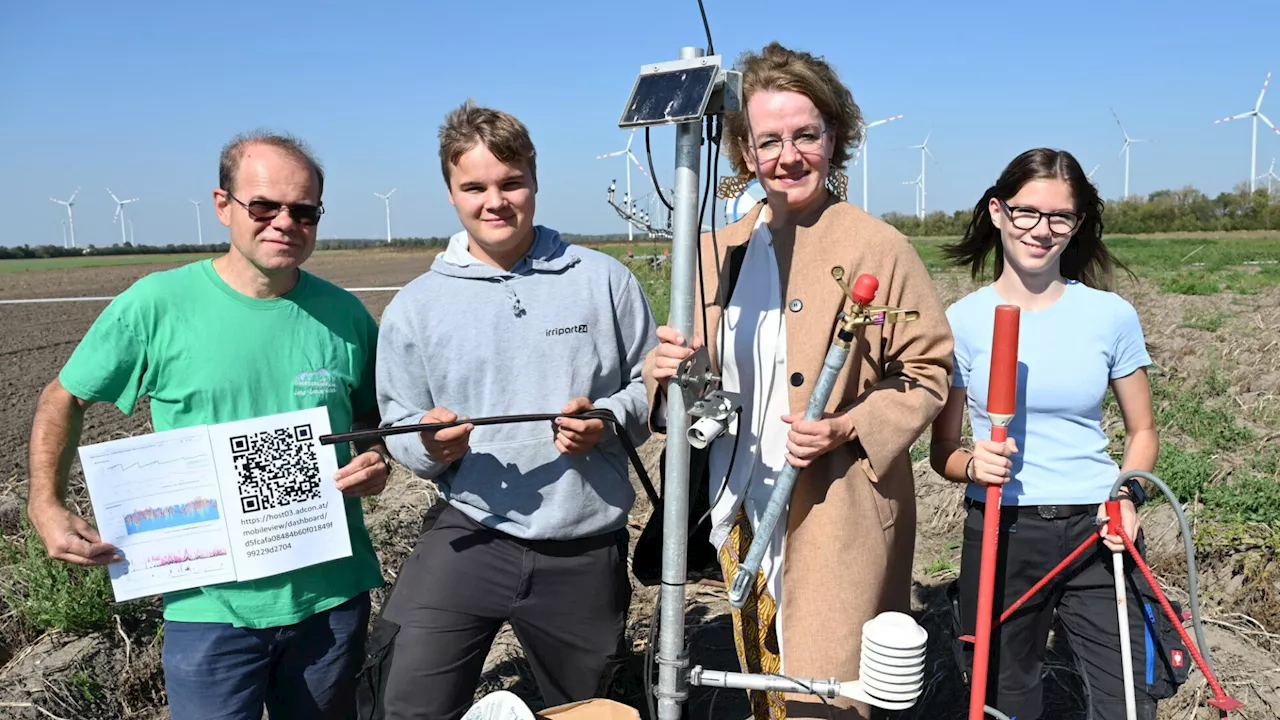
<point>670,353</point>
<point>365,475</point>
<point>69,538</point>
<point>449,444</point>
<point>1128,521</point>
<point>810,439</point>
<point>577,437</point>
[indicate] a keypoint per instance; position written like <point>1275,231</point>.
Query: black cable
<point>809,689</point>
<point>648,151</point>
<point>702,282</point>
<point>711,48</point>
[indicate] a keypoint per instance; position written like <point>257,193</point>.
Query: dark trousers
<point>566,601</point>
<point>1083,596</point>
<point>216,671</point>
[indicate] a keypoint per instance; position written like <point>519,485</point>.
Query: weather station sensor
<point>681,91</point>
<point>684,93</point>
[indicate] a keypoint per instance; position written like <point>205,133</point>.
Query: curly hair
<point>777,68</point>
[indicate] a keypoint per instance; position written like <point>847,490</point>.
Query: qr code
<point>276,468</point>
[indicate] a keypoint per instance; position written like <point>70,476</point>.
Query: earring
<point>732,186</point>
<point>838,183</point>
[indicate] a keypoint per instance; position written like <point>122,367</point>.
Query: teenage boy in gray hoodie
<point>511,319</point>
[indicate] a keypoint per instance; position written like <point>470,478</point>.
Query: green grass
<point>29,264</point>
<point>1210,321</point>
<point>26,264</point>
<point>1156,254</point>
<point>51,594</point>
<point>1190,283</point>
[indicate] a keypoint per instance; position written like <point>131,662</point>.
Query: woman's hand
<point>991,463</point>
<point>1128,520</point>
<point>809,439</point>
<point>670,352</point>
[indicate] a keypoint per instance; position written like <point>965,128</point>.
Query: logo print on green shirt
<point>317,382</point>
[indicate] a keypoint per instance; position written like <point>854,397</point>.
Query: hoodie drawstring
<point>516,308</point>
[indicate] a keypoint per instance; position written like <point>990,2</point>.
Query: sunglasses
<point>262,210</point>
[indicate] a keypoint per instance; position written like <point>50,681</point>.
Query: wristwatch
<point>1136,493</point>
<point>386,456</point>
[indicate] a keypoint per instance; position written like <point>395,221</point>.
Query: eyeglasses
<point>262,210</point>
<point>1027,218</point>
<point>808,140</point>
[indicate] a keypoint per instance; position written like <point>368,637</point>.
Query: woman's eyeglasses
<point>808,140</point>
<point>1027,218</point>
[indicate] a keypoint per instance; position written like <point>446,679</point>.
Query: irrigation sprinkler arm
<point>860,315</point>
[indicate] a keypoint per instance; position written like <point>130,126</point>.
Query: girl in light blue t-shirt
<point>1039,228</point>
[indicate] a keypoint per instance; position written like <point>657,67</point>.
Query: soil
<point>115,673</point>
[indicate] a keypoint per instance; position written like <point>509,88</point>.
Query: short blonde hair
<point>502,133</point>
<point>776,68</point>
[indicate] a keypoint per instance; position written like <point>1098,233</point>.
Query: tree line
<point>52,251</point>
<point>1184,210</point>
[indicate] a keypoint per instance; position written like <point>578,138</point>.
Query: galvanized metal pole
<point>672,673</point>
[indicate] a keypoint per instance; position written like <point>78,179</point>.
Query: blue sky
<point>140,97</point>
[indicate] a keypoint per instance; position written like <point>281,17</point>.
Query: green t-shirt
<point>205,353</point>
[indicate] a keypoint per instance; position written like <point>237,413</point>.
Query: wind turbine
<point>924,150</point>
<point>862,155</point>
<point>199,229</point>
<point>119,212</point>
<point>1271,175</point>
<point>64,233</point>
<point>628,198</point>
<point>1255,113</point>
<point>917,183</point>
<point>1125,150</point>
<point>71,221</point>
<point>1094,170</point>
<point>387,199</point>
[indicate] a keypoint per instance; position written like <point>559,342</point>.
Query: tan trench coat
<point>852,519</point>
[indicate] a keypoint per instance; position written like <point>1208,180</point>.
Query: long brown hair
<point>1085,258</point>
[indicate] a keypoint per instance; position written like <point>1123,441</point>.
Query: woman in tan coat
<point>842,552</point>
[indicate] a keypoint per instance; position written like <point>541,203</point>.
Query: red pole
<point>1002,393</point>
<point>1221,699</point>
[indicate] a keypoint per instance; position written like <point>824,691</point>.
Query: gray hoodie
<point>564,322</point>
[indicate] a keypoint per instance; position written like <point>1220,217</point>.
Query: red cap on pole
<point>864,289</point>
<point>1002,390</point>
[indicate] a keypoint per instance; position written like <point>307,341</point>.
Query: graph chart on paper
<point>183,556</point>
<point>192,560</point>
<point>172,468</point>
<point>149,518</point>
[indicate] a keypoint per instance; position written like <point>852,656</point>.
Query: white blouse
<point>754,365</point>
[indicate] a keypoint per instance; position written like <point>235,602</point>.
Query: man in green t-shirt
<point>244,335</point>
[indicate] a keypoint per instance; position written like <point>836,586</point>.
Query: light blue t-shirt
<point>1067,355</point>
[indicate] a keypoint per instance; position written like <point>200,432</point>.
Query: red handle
<point>864,289</point>
<point>1002,394</point>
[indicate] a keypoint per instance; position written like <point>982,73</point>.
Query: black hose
<point>1193,584</point>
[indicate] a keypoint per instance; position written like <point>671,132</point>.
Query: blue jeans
<point>216,671</point>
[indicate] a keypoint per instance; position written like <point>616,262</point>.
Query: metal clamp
<point>700,388</point>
